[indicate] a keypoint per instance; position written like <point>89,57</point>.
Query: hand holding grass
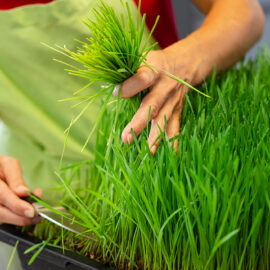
<point>191,59</point>
<point>163,103</point>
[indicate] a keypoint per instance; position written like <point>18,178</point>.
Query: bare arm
<point>230,29</point>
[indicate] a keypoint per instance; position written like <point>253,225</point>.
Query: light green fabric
<point>31,84</point>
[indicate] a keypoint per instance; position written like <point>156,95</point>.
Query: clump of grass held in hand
<point>114,52</point>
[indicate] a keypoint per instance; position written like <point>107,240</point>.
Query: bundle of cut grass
<point>118,46</point>
<point>206,207</point>
<point>116,49</point>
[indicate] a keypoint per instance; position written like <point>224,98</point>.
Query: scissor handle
<point>28,199</point>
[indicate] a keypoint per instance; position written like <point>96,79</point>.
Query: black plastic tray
<point>50,258</point>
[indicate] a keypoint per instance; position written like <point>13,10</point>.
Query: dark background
<point>189,18</point>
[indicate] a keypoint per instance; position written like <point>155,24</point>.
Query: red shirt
<point>9,4</point>
<point>165,32</point>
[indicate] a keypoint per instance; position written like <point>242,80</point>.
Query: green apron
<point>31,85</point>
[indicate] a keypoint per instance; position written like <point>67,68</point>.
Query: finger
<point>173,127</point>
<point>38,192</point>
<point>150,106</point>
<point>14,203</point>
<point>7,216</point>
<point>12,172</point>
<point>143,79</point>
<point>159,122</point>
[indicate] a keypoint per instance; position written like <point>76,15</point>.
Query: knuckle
<point>169,85</point>
<point>145,77</point>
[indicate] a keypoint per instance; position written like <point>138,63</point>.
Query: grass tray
<point>50,258</point>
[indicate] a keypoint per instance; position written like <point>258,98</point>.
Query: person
<point>31,84</point>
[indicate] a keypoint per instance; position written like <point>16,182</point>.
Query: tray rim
<point>10,234</point>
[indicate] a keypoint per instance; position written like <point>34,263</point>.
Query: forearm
<point>229,30</point>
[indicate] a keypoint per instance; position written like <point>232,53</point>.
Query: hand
<point>13,210</point>
<point>165,98</point>
<point>192,59</point>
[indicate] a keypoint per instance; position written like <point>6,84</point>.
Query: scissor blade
<point>66,221</point>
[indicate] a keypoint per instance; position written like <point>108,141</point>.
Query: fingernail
<point>116,90</point>
<point>122,136</point>
<point>30,213</point>
<point>153,149</point>
<point>129,138</point>
<point>36,220</point>
<point>22,189</point>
